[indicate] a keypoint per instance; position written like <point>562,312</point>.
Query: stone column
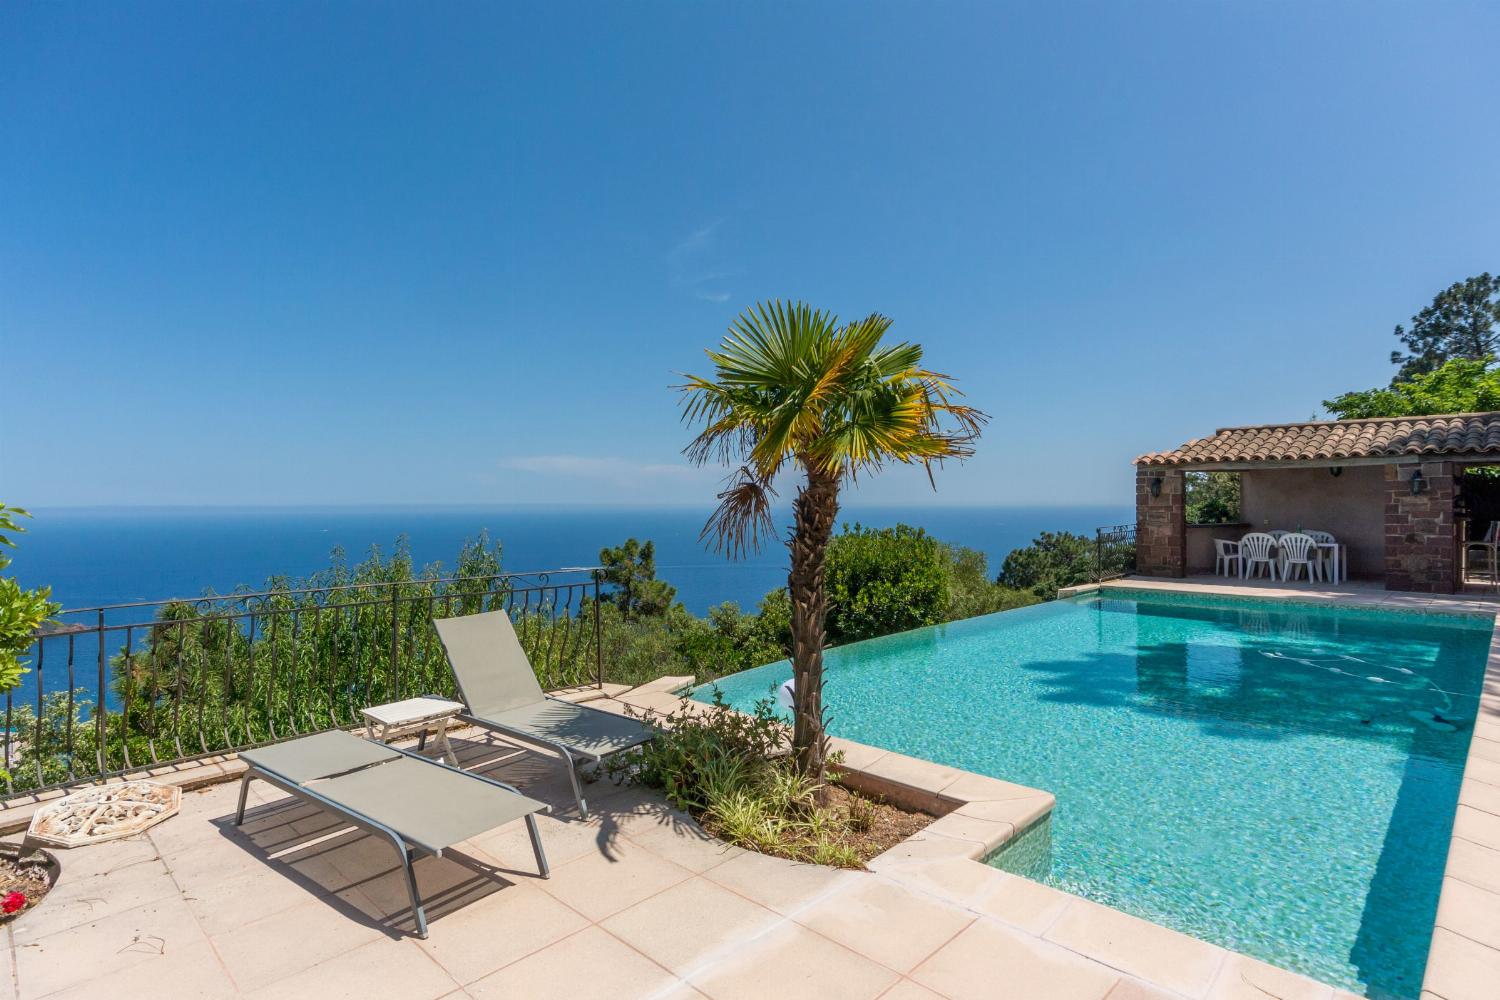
<point>1160,522</point>
<point>1421,539</point>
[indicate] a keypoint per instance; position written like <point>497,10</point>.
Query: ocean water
<point>1276,779</point>
<point>93,556</point>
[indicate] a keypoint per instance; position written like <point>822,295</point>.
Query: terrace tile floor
<point>641,903</point>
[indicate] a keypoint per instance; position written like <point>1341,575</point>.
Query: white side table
<point>413,716</point>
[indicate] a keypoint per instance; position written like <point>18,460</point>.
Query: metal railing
<point>1114,552</point>
<point>123,687</point>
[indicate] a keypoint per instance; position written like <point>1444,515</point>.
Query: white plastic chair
<point>1299,550</point>
<point>1325,556</point>
<point>1227,556</point>
<point>1257,549</point>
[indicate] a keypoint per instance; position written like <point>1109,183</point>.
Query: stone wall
<point>1160,523</point>
<point>1421,545</point>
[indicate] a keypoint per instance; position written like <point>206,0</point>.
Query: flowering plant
<point>12,902</point>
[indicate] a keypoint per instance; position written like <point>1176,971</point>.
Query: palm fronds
<point>792,385</point>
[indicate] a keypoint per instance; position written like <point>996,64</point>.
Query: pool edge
<point>978,815</point>
<point>1464,958</point>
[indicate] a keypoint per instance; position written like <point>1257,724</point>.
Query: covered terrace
<point>1403,496</point>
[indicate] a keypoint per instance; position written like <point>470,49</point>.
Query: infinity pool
<point>1276,778</point>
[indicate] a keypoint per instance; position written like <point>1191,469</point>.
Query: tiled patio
<point>640,904</point>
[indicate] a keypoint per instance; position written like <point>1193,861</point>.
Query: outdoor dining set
<point>1285,555</point>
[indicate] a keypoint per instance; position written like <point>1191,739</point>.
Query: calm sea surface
<point>93,556</point>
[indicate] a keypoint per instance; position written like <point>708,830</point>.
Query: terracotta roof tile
<point>1325,440</point>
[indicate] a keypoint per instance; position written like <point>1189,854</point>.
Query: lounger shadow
<point>416,803</point>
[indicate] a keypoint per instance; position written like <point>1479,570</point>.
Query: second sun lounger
<point>415,802</point>
<point>500,689</point>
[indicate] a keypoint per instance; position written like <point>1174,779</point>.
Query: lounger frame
<point>406,848</point>
<point>571,757</point>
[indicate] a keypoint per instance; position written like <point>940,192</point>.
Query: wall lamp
<point>1156,486</point>
<point>1418,482</point>
<point>1335,471</point>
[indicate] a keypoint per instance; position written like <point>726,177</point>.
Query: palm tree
<point>792,388</point>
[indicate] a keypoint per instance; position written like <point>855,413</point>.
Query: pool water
<point>1277,778</point>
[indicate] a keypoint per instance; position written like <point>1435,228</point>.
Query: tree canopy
<point>1212,497</point>
<point>632,568</point>
<point>1056,559</point>
<point>1461,323</point>
<point>1457,386</point>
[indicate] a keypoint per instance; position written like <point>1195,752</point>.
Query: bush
<point>1055,560</point>
<point>974,593</point>
<point>884,580</point>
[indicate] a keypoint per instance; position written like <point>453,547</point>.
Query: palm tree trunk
<point>815,509</point>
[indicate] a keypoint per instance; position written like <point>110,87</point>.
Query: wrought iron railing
<point>129,686</point>
<point>1114,552</point>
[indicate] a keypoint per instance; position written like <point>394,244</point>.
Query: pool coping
<point>976,816</point>
<point>1463,961</point>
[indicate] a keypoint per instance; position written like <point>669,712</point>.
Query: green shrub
<point>731,771</point>
<point>974,593</point>
<point>884,580</point>
<point>1055,560</point>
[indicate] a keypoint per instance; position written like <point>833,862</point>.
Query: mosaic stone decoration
<point>108,813</point>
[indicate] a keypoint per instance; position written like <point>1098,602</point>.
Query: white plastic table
<point>1336,549</point>
<point>413,716</point>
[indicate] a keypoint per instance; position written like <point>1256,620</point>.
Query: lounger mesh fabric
<point>417,803</point>
<point>585,731</point>
<point>432,807</point>
<point>499,687</point>
<point>492,670</point>
<point>321,755</point>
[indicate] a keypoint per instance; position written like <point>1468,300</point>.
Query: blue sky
<point>453,253</point>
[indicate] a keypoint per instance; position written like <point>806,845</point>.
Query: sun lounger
<point>419,804</point>
<point>499,688</point>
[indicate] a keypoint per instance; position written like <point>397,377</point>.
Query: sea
<point>93,556</point>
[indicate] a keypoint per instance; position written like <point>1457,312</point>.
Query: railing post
<point>598,636</point>
<point>395,641</point>
<point>101,707</point>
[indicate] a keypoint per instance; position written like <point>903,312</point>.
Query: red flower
<point>12,902</point>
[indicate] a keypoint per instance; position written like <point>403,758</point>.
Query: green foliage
<point>631,568</point>
<point>22,611</point>
<point>1053,561</point>
<point>692,749</point>
<point>1456,386</point>
<point>48,751</point>
<point>245,668</point>
<point>884,580</point>
<point>1212,497</point>
<point>728,640</point>
<point>972,591</point>
<point>731,770</point>
<point>1460,323</point>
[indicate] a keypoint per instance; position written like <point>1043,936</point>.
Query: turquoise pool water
<point>1275,778</point>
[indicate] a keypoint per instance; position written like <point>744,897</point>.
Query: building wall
<point>1351,506</point>
<point>1421,543</point>
<point>1200,543</point>
<point>1160,524</point>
